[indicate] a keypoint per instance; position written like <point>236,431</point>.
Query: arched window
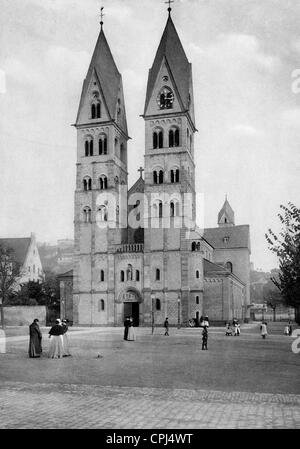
<point>165,98</point>
<point>157,274</point>
<point>157,304</point>
<point>88,146</point>
<point>158,139</point>
<point>98,110</point>
<point>197,299</point>
<point>93,110</point>
<point>177,175</point>
<point>103,182</point>
<point>137,275</point>
<point>101,275</point>
<point>129,272</point>
<point>160,209</point>
<point>102,213</point>
<point>155,177</point>
<point>229,266</point>
<point>102,144</point>
<point>154,209</point>
<point>193,246</point>
<point>174,137</point>
<point>174,175</point>
<point>122,276</point>
<point>160,177</point>
<point>101,305</point>
<point>172,209</point>
<point>87,183</point>
<point>197,274</point>
<point>87,214</point>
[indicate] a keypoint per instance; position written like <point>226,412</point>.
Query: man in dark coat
<point>35,339</point>
<point>127,323</point>
<point>166,326</point>
<point>204,338</point>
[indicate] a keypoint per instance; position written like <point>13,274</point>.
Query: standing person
<point>286,330</point>
<point>204,338</point>
<point>263,328</point>
<point>166,326</point>
<point>56,348</point>
<point>290,328</point>
<point>238,329</point>
<point>65,338</point>
<point>35,339</point>
<point>131,333</point>
<point>126,327</point>
<point>228,330</point>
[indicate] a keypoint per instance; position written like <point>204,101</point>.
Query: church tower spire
<point>226,215</point>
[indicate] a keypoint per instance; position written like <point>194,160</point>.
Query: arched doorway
<point>131,301</point>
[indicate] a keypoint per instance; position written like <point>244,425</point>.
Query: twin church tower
<point>154,268</point>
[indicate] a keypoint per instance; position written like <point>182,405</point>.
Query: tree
<point>272,296</point>
<point>9,277</point>
<point>287,248</point>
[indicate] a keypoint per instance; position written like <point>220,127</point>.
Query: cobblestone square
<point>154,382</point>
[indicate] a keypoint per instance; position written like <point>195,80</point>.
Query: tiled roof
<point>19,246</point>
<point>210,267</point>
<point>171,48</point>
<point>228,237</point>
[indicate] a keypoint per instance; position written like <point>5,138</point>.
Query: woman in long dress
<point>35,339</point>
<point>264,331</point>
<point>131,333</point>
<point>65,338</point>
<point>56,348</point>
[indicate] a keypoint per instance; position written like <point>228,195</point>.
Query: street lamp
<point>178,302</point>
<point>152,312</point>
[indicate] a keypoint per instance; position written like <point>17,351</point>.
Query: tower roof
<point>109,77</point>
<point>226,213</point>
<point>172,50</point>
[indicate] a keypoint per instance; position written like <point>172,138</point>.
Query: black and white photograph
<point>150,217</point>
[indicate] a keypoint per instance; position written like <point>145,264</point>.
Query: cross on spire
<point>141,171</point>
<point>169,2</point>
<point>101,16</point>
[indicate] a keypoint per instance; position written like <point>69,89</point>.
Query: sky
<point>245,55</point>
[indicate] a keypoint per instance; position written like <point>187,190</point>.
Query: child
<point>204,338</point>
<point>228,330</point>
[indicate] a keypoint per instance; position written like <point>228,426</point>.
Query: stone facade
<point>154,267</point>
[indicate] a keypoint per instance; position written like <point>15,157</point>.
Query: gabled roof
<point>68,274</point>
<point>108,75</point>
<point>228,211</point>
<point>171,48</point>
<point>19,246</point>
<point>238,237</point>
<point>210,267</point>
<point>138,186</point>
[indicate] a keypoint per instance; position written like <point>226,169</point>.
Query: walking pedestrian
<point>286,330</point>
<point>131,333</point>
<point>126,327</point>
<point>204,338</point>
<point>35,340</point>
<point>56,348</point>
<point>263,328</point>
<point>166,326</point>
<point>65,338</point>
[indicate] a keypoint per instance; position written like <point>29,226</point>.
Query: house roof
<point>211,269</point>
<point>238,237</point>
<point>138,186</point>
<point>67,274</point>
<point>172,50</point>
<point>108,75</point>
<point>19,246</point>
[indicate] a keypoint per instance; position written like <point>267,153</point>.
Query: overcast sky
<point>243,54</point>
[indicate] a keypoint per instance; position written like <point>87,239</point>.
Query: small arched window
<point>93,110</point>
<point>137,275</point>
<point>197,274</point>
<point>193,246</point>
<point>160,209</point>
<point>229,266</point>
<point>102,213</point>
<point>102,144</point>
<point>101,275</point>
<point>122,276</point>
<point>160,177</point>
<point>87,183</point>
<point>197,299</point>
<point>103,182</point>
<point>101,305</point>
<point>87,215</point>
<point>158,139</point>
<point>157,304</point>
<point>89,146</point>
<point>174,137</point>
<point>157,274</point>
<point>98,110</point>
<point>172,209</point>
<point>155,177</point>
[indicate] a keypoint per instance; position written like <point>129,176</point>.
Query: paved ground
<point>155,382</point>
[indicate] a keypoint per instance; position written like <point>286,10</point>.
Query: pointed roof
<point>227,211</point>
<point>19,246</point>
<point>228,238</point>
<point>171,48</point>
<point>109,77</point>
<point>138,186</point>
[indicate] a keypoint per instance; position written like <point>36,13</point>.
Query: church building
<point>138,251</point>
